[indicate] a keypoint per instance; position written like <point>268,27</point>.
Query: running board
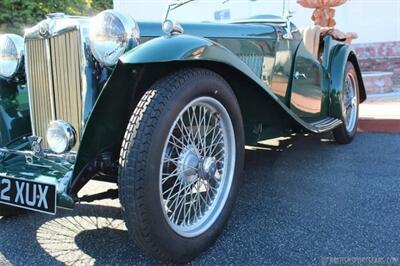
<point>326,124</point>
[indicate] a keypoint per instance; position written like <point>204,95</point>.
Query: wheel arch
<point>342,55</point>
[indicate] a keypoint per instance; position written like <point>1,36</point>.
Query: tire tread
<point>135,145</point>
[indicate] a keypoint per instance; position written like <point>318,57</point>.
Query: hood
<point>215,30</point>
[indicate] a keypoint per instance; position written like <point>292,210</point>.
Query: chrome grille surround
<point>55,65</point>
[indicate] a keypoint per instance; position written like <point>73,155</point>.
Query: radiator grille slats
<point>38,68</point>
<point>54,75</point>
<point>65,51</point>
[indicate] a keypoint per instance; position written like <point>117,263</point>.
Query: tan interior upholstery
<point>311,39</point>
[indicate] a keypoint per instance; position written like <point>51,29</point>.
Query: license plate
<point>29,195</point>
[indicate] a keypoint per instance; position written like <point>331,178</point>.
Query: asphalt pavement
<point>307,201</point>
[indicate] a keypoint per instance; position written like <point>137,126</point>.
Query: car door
<point>285,50</point>
<point>308,90</point>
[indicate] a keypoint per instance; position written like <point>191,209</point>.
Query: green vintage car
<point>164,110</point>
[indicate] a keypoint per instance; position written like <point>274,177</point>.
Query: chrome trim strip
<point>326,124</point>
<point>34,32</point>
<point>84,65</point>
<point>28,83</point>
<point>51,81</point>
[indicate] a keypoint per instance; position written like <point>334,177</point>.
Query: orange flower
<point>320,3</point>
<point>323,13</point>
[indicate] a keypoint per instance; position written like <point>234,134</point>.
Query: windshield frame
<point>176,4</point>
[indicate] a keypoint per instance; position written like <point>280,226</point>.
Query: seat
<point>311,39</point>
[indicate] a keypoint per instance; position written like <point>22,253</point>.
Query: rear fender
<point>342,54</point>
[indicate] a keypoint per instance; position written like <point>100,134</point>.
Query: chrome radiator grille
<point>54,78</point>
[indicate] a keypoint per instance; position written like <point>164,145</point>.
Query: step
<point>381,113</point>
<point>378,82</point>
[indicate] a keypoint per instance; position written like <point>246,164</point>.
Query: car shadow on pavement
<point>88,235</point>
<point>96,234</point>
<point>302,199</point>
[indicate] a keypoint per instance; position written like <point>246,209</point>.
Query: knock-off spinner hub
<point>191,166</point>
<point>208,168</point>
<point>188,164</point>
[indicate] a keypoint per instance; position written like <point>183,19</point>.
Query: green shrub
<point>16,15</point>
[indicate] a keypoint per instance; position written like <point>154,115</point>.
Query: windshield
<point>228,11</point>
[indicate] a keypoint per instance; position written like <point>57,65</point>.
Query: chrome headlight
<point>11,54</point>
<point>111,35</point>
<point>60,136</point>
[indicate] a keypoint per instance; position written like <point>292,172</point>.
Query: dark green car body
<point>254,58</point>
<point>14,111</point>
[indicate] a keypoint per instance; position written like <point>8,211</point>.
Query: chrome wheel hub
<point>188,165</point>
<point>350,102</point>
<point>197,167</point>
<point>208,168</point>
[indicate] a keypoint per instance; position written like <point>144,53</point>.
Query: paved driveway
<point>304,200</point>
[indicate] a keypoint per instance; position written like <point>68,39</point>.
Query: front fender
<point>141,67</point>
<point>184,48</point>
<point>342,54</point>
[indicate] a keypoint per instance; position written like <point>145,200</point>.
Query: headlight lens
<point>61,136</point>
<point>11,53</point>
<point>111,34</point>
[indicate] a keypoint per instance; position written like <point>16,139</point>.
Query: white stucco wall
<point>373,20</point>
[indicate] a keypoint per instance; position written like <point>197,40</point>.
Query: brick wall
<point>383,57</point>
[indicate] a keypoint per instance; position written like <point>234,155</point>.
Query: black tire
<point>9,211</point>
<point>342,134</point>
<point>141,155</point>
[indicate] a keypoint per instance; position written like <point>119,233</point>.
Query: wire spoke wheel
<point>350,102</point>
<point>180,164</point>
<point>346,132</point>
<point>197,166</point>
